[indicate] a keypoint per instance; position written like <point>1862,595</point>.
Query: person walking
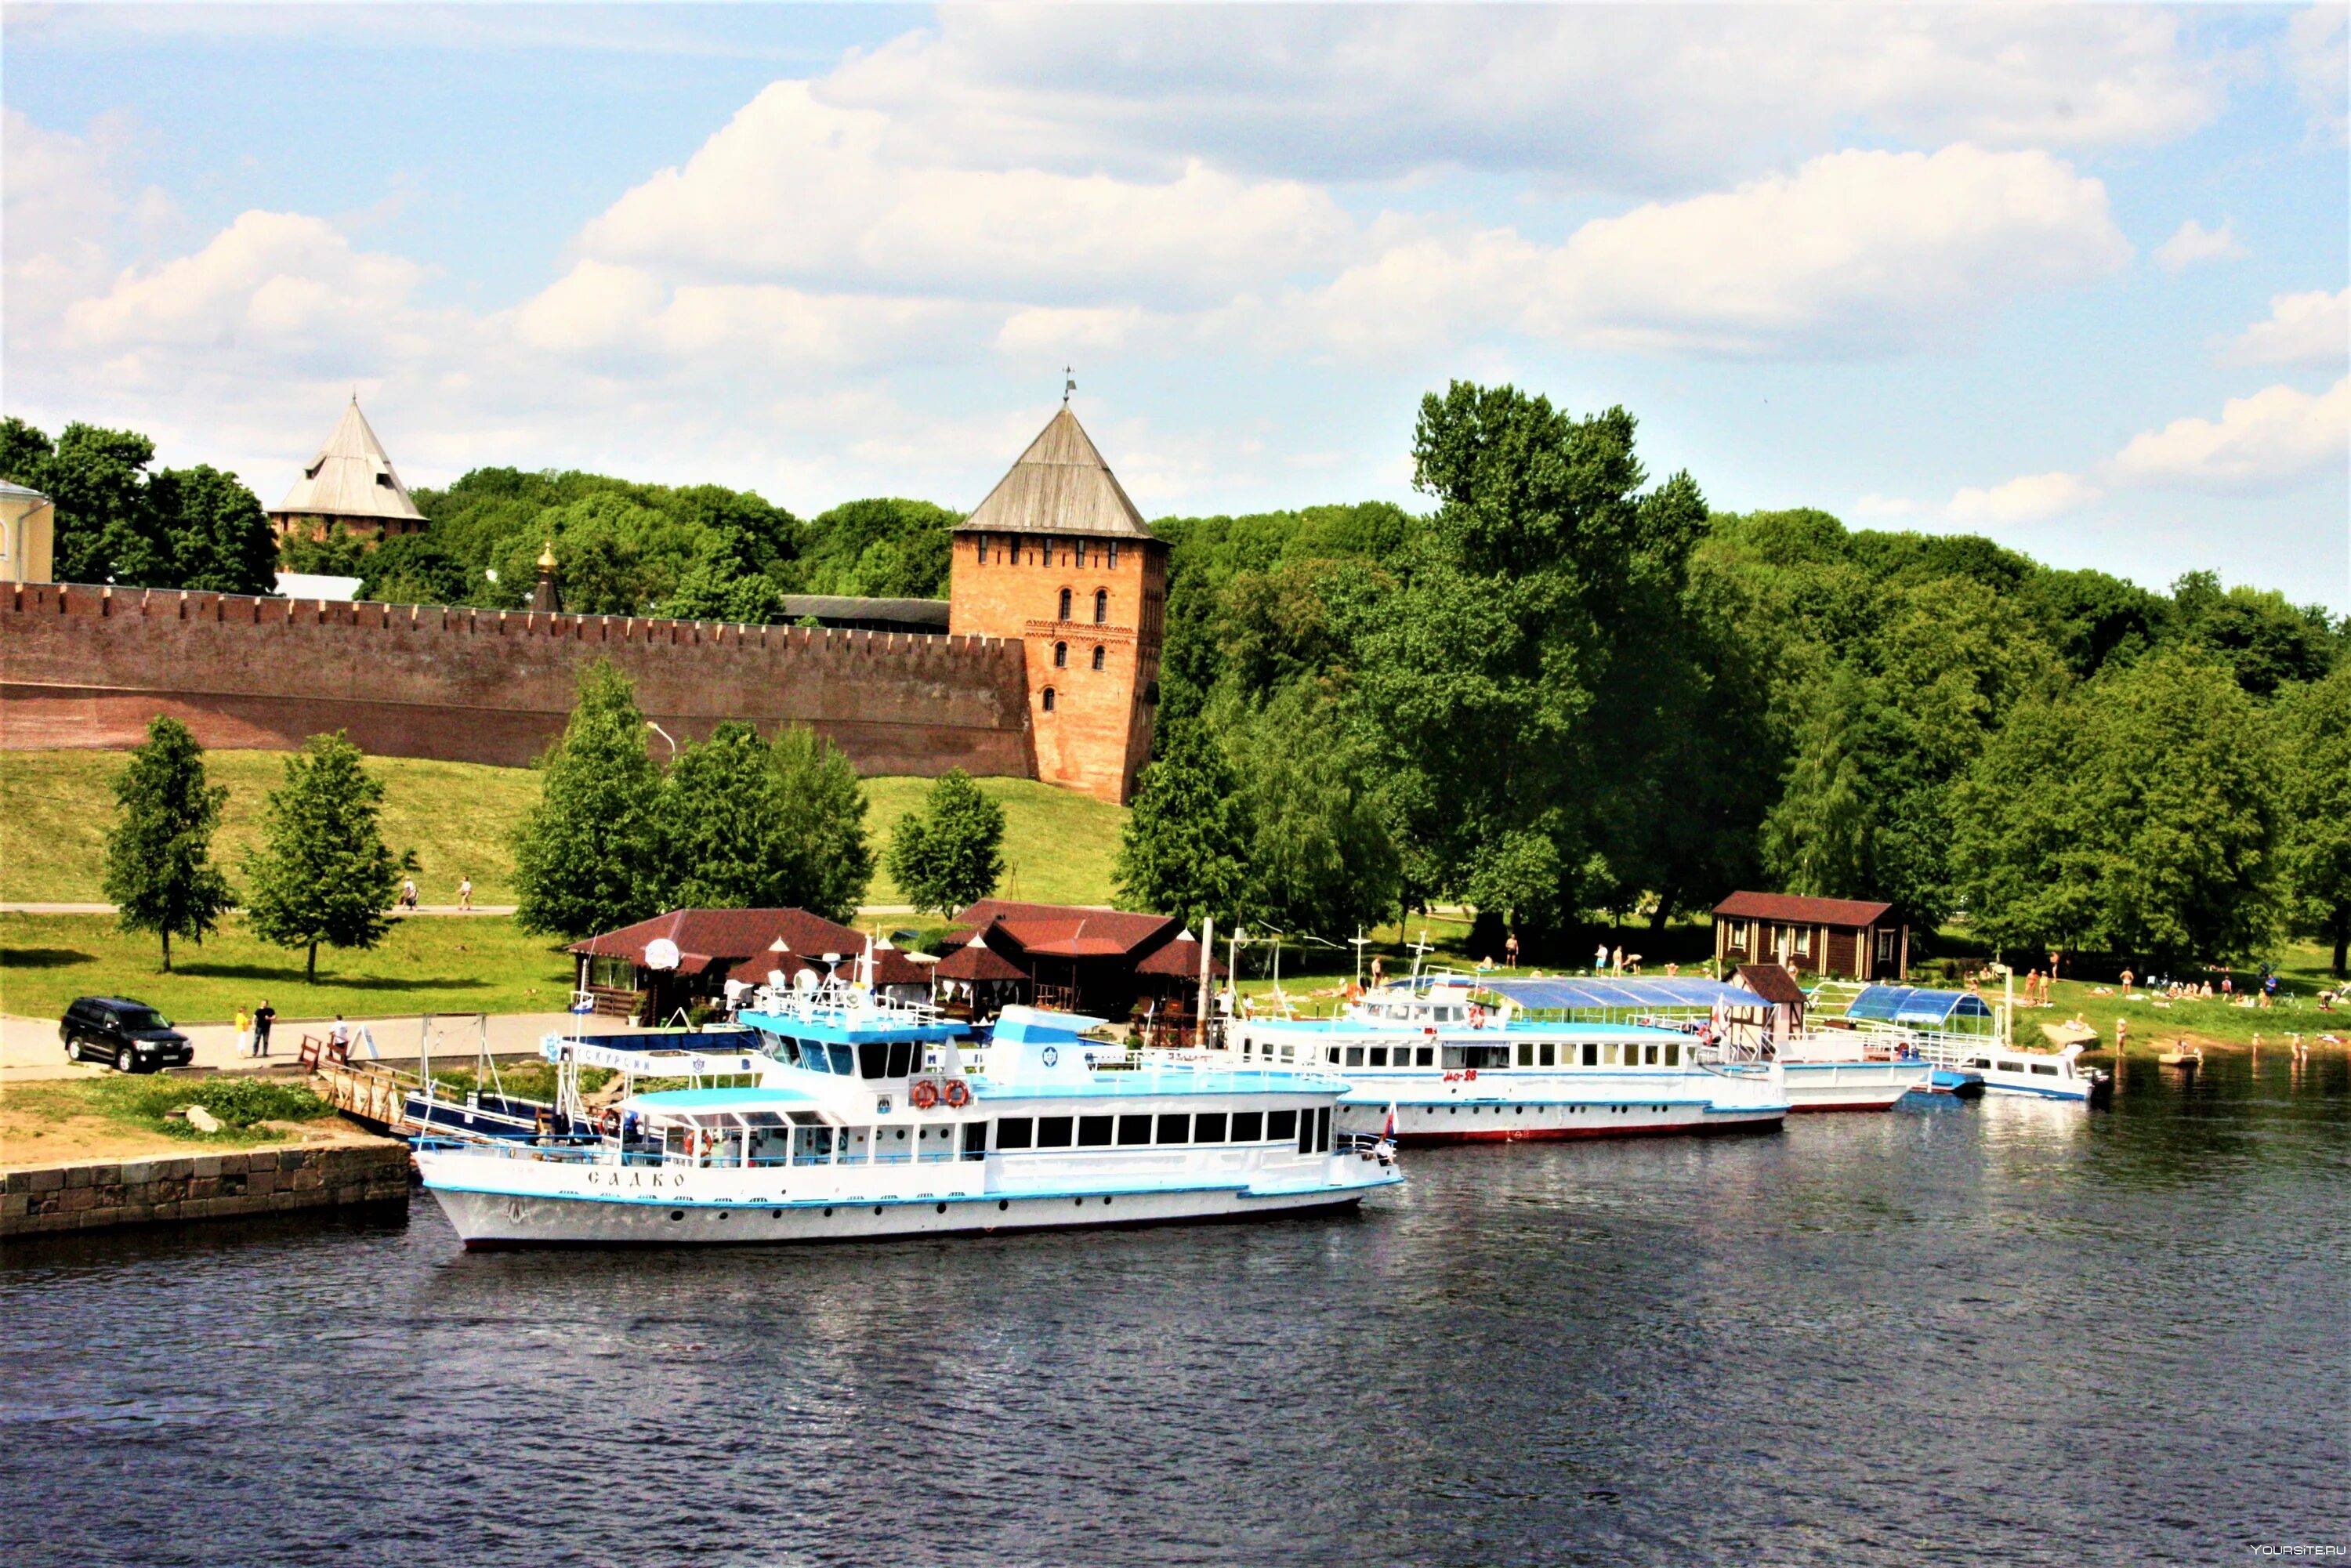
<point>464,893</point>
<point>263,1016</point>
<point>1617,965</point>
<point>1510,950</point>
<point>244,1031</point>
<point>1600,959</point>
<point>339,1037</point>
<point>408,893</point>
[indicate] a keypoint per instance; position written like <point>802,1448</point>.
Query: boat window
<point>1526,1053</point>
<point>1249,1126</point>
<point>2011,1067</point>
<point>1549,1054</point>
<point>1648,1056</point>
<point>1209,1127</point>
<point>1132,1130</point>
<point>901,1057</point>
<point>975,1140</point>
<point>874,1059</point>
<point>1427,1056</point>
<point>1281,1126</point>
<point>2046,1068</point>
<point>1014,1133</point>
<point>1174,1129</point>
<point>1673,1054</point>
<point>844,1059</point>
<point>1379,1056</point>
<point>1093,1132</point>
<point>1053,1132</point>
<point>1355,1056</point>
<point>1290,1053</point>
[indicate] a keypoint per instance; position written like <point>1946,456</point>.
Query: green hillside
<point>55,808</point>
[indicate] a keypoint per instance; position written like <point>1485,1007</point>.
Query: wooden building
<point>712,946</point>
<point>1774,1017</point>
<point>349,488</point>
<point>1074,958</point>
<point>1835,938</point>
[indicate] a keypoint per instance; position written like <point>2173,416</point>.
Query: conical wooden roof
<point>350,477</point>
<point>1061,485</point>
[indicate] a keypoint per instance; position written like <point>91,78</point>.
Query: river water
<point>2008,1331</point>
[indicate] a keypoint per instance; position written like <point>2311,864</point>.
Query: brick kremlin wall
<point>89,667</point>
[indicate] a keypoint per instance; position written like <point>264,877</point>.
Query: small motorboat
<point>2179,1055</point>
<point>1959,1084</point>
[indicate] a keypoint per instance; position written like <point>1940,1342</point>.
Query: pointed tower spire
<point>350,484</point>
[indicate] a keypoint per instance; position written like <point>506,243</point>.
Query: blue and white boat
<point>843,1115</point>
<point>1449,1070</point>
<point>1971,1044</point>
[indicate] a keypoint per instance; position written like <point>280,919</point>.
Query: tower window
<point>1064,615</point>
<point>1102,605</point>
<point>1045,553</point>
<point>981,540</point>
<point>1111,550</point>
<point>1098,658</point>
<point>1080,551</point>
<point>1049,699</point>
<point>1060,655</point>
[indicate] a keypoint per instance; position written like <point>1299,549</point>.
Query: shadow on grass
<point>43,958</point>
<point>327,978</point>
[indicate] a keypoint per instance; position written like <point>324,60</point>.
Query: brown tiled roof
<point>1179,959</point>
<point>1071,931</point>
<point>890,966</point>
<point>1802,911</point>
<point>1773,983</point>
<point>708,937</point>
<point>975,960</point>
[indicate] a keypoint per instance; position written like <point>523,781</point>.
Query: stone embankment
<point>96,1196</point>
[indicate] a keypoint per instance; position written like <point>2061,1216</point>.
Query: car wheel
<point>126,1060</point>
<point>73,1049</point>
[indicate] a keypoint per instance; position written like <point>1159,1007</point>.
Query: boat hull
<point>491,1221</point>
<point>1463,1121</point>
<point>1852,1085</point>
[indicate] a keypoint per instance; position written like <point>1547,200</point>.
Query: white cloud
<point>1855,253</point>
<point>2309,328</point>
<point>1877,505</point>
<point>2030,498</point>
<point>2277,437</point>
<point>1613,98</point>
<point>795,189</point>
<point>59,209</point>
<point>2318,57</point>
<point>2191,242</point>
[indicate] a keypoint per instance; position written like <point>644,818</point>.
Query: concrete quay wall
<point>42,1199</point>
<point>89,667</point>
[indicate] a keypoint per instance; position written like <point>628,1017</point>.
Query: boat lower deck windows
<point>1094,1132</point>
<point>1176,1129</point>
<point>1355,1056</point>
<point>1314,1131</point>
<point>1015,1133</point>
<point>1281,1126</point>
<point>1526,1053</point>
<point>1673,1054</point>
<point>1249,1126</point>
<point>975,1140</point>
<point>1426,1057</point>
<point>1134,1130</point>
<point>1379,1057</point>
<point>1054,1131</point>
<point>1209,1127</point>
<point>1591,1054</point>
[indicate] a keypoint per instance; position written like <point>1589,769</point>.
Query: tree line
<point>1567,694</point>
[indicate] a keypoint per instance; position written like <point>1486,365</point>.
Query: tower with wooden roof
<point>350,486</point>
<point>1058,556</point>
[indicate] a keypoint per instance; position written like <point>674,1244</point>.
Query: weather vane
<point>1069,384</point>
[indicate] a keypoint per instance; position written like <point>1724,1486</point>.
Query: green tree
<point>323,874</point>
<point>884,548</point>
<point>823,810</point>
<point>410,568</point>
<point>2138,816</point>
<point>1184,850</point>
<point>587,856</point>
<point>2315,755</point>
<point>951,853</point>
<point>159,875</point>
<point>219,536</point>
<point>1319,860</point>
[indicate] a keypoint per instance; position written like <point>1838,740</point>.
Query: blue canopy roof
<point>722,1099</point>
<point>1677,993</point>
<point>1911,1005</point>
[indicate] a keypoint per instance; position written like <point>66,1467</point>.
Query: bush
<point>238,1102</point>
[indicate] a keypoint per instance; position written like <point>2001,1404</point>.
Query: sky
<point>2075,277</point>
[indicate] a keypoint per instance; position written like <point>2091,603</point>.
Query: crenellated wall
<point>90,667</point>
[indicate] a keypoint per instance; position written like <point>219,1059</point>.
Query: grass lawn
<point>430,963</point>
<point>1058,845</point>
<point>55,808</point>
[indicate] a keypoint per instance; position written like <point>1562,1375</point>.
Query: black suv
<point>132,1035</point>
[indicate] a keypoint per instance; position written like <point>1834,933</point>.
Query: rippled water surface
<point>2001,1332</point>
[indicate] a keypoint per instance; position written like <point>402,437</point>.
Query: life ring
<point>609,1124</point>
<point>959,1095</point>
<point>925,1094</point>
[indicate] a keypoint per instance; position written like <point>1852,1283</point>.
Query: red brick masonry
<point>90,667</point>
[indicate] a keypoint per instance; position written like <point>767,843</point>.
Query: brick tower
<point>1058,556</point>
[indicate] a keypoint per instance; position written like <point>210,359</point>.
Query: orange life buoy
<point>959,1095</point>
<point>924,1095</point>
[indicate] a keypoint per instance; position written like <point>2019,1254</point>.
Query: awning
<point>1633,994</point>
<point>1910,1005</point>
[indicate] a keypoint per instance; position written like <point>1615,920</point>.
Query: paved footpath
<point>29,1048</point>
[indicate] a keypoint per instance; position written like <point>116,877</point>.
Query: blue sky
<point>2075,277</point>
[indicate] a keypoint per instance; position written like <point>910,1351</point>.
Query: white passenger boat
<point>1450,1070</point>
<point>1964,1037</point>
<point>858,1117</point>
<point>1763,1016</point>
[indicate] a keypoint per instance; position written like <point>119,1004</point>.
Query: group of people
<point>253,1028</point>
<point>407,895</point>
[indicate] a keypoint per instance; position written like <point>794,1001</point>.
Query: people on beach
<point>1510,950</point>
<point>2126,982</point>
<point>1379,972</point>
<point>2122,1037</point>
<point>1600,959</point>
<point>263,1016</point>
<point>464,893</point>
